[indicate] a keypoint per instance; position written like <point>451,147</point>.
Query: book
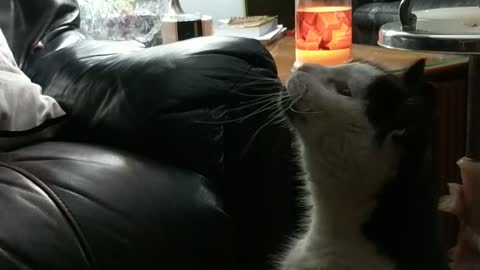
<point>249,27</point>
<point>273,35</point>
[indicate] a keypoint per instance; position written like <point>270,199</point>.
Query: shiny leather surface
<point>36,21</point>
<point>369,17</point>
<point>73,206</point>
<point>168,101</point>
<point>184,103</point>
<point>179,178</point>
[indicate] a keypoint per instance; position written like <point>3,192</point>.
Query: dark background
<point>285,9</point>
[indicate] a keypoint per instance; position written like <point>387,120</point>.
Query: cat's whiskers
<point>278,103</point>
<point>295,101</point>
<point>258,95</point>
<point>257,84</point>
<point>263,108</point>
<point>276,115</point>
<point>251,104</point>
<point>266,102</point>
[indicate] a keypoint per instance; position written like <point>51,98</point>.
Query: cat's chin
<point>290,114</point>
<point>293,118</point>
<point>288,105</point>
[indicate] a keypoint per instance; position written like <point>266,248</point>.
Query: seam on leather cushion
<point>38,129</point>
<point>62,208</point>
<point>10,140</point>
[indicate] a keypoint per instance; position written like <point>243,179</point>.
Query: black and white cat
<point>363,140</point>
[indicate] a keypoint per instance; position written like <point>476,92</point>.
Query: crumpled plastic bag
<point>123,20</point>
<point>463,201</point>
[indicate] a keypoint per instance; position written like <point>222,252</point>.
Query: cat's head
<point>358,116</point>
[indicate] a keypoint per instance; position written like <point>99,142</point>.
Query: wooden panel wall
<point>450,135</point>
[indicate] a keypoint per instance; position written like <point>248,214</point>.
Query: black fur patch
<point>405,224</point>
<point>385,97</point>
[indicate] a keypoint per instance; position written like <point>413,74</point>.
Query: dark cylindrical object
<point>473,109</point>
<point>407,18</point>
<point>174,7</point>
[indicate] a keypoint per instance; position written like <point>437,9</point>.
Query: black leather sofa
<point>157,166</point>
<point>370,15</point>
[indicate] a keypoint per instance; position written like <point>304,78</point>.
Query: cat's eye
<point>345,92</point>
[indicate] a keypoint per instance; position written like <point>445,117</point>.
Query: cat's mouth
<point>300,96</point>
<point>286,104</point>
<point>293,98</point>
<point>304,74</point>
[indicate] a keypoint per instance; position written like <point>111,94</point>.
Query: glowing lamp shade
<point>323,32</point>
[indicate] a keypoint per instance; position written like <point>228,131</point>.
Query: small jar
<point>323,32</point>
<point>178,25</point>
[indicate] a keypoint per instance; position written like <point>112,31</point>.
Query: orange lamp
<point>323,32</point>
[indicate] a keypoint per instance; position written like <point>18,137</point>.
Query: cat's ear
<point>417,86</point>
<point>415,73</point>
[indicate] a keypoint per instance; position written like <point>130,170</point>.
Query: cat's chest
<point>331,253</point>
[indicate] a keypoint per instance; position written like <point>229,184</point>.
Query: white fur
<point>344,168</point>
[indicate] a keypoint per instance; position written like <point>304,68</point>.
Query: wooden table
<point>283,51</point>
<point>447,72</point>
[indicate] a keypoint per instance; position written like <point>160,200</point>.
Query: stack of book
<point>263,28</point>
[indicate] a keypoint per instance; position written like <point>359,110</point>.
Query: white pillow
<point>22,105</point>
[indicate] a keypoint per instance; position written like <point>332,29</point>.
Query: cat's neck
<point>337,213</point>
<point>341,191</point>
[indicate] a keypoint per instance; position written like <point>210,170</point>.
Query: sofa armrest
<point>369,17</point>
<point>169,101</point>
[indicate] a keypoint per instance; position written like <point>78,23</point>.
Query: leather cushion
<point>85,207</point>
<point>374,15</point>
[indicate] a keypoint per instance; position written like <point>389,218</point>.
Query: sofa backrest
<point>26,23</point>
<point>6,18</point>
